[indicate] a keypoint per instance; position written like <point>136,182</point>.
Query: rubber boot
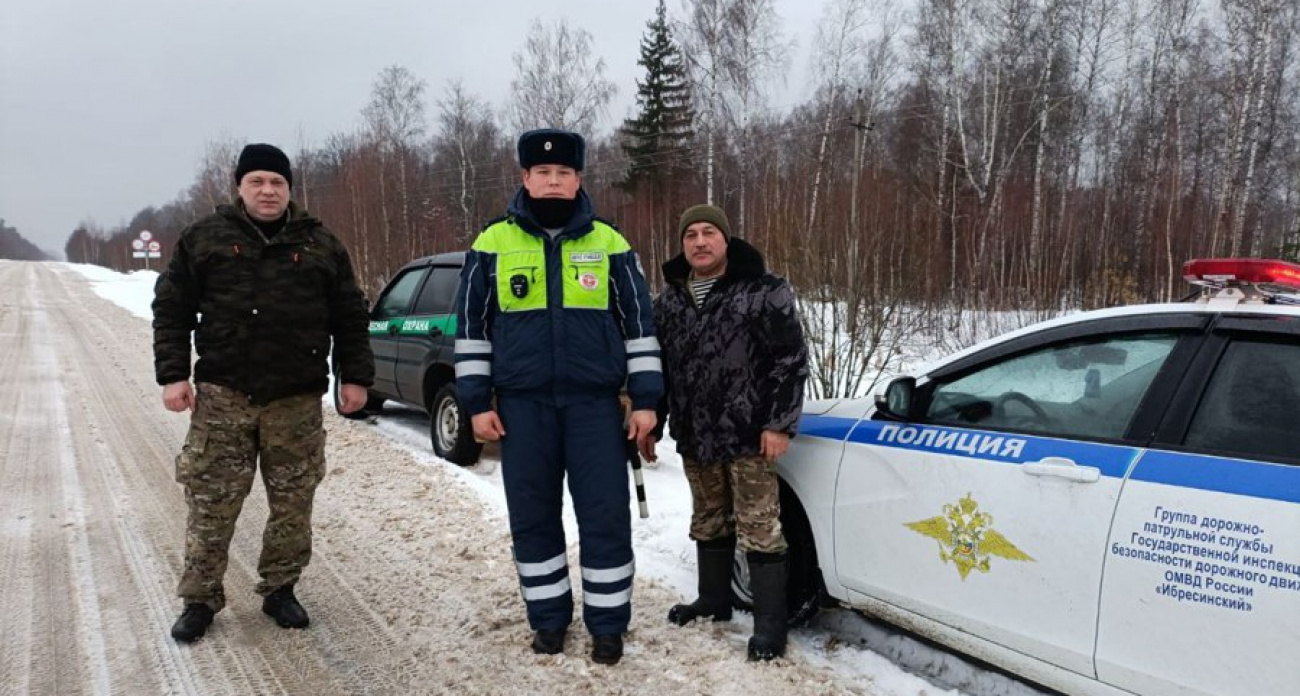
<point>715,559</point>
<point>767,572</point>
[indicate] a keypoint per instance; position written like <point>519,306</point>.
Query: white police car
<point>1105,503</point>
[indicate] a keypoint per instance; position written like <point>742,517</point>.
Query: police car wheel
<point>805,590</point>
<point>449,428</point>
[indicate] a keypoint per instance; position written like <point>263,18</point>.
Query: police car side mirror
<point>897,401</point>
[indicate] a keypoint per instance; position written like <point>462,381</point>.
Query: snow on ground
<point>839,640</point>
<point>130,291</point>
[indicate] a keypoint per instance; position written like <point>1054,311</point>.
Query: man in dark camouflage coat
<point>264,287</point>
<point>735,363</point>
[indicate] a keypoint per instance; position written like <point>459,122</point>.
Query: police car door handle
<point>1060,467</point>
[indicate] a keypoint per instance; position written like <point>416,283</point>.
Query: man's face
<point>552,181</point>
<point>705,247</point>
<point>265,195</point>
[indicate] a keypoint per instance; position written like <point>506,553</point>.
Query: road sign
<point>137,254</point>
<point>137,244</point>
<point>155,246</point>
<point>146,235</point>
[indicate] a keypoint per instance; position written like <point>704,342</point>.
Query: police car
<point>1106,503</point>
<point>412,334</point>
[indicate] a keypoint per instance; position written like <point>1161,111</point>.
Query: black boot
<point>715,559</point>
<point>548,642</point>
<point>193,623</point>
<point>282,606</point>
<point>767,581</point>
<point>607,649</point>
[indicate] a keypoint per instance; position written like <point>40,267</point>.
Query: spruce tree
<point>656,141</point>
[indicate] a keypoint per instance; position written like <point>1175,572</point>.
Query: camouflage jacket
<point>735,366</point>
<point>262,312</point>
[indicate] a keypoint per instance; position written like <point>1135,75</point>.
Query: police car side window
<point>1252,404</point>
<point>437,294</point>
<point>1087,388</point>
<point>398,297</point>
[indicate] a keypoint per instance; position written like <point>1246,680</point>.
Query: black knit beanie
<point>260,157</point>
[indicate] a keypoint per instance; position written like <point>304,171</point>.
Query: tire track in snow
<point>16,508</point>
<point>145,523</point>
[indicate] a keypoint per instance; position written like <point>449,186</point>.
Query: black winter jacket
<point>734,367</point>
<point>268,308</point>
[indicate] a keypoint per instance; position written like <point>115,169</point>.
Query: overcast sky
<point>106,107</point>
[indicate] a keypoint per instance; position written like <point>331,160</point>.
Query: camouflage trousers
<point>228,437</point>
<point>740,497</point>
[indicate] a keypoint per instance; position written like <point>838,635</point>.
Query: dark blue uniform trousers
<point>543,443</point>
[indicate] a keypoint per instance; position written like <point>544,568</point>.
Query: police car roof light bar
<point>1221,272</point>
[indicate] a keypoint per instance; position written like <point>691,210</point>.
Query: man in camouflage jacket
<point>264,288</point>
<point>735,363</point>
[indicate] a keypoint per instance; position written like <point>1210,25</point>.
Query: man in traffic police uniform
<point>553,319</point>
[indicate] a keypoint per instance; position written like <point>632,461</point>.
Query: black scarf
<point>552,213</point>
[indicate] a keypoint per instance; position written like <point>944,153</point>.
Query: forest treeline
<point>962,154</point>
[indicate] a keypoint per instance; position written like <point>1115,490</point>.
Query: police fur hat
<point>704,213</point>
<point>551,146</point>
<point>260,157</point>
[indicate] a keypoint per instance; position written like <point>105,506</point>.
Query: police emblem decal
<point>966,537</point>
<point>589,281</point>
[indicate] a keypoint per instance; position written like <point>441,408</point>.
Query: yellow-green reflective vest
<point>522,281</point>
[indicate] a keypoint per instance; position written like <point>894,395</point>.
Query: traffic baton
<point>634,458</point>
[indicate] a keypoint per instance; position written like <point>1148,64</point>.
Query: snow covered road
<point>411,589</point>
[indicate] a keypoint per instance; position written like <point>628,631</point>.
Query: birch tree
<point>1259,32</point>
<point>559,80</point>
<point>941,50</point>
<point>756,55</point>
<point>467,135</point>
<point>838,48</point>
<point>396,119</point>
<point>703,34</point>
